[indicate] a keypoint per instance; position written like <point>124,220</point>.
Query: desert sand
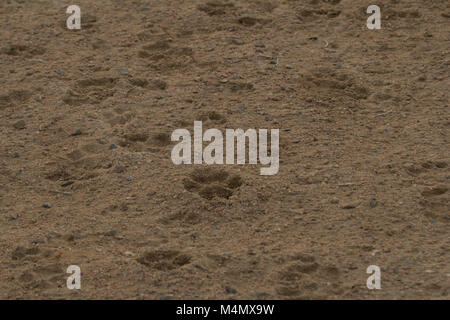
<point>86,176</point>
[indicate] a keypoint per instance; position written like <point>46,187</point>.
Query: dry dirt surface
<point>86,177</point>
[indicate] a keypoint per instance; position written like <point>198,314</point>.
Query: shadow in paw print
<point>164,260</point>
<point>210,183</point>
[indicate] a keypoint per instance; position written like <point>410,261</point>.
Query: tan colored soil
<point>364,149</point>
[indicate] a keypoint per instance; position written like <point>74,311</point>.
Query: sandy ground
<point>86,176</point>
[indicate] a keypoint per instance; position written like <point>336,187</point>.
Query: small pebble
<point>230,290</point>
<point>237,42</point>
<point>241,109</point>
<point>46,205</point>
<point>76,132</point>
<point>111,233</point>
<point>122,70</point>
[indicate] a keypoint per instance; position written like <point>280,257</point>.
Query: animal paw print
<point>14,98</point>
<point>164,56</point>
<point>164,260</point>
<point>303,276</point>
<point>210,183</point>
<point>216,8</point>
<point>93,90</point>
<point>18,50</point>
<point>38,269</point>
